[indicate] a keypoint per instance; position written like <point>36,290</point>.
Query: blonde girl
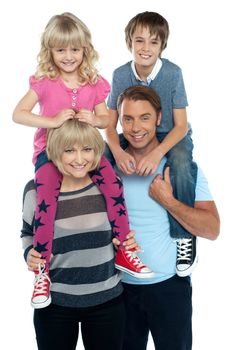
<point>67,85</point>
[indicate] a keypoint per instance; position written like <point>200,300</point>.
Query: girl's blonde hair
<point>70,133</point>
<point>61,31</point>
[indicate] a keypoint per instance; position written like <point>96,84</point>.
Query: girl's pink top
<point>54,96</point>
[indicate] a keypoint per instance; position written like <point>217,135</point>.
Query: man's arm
<point>202,220</point>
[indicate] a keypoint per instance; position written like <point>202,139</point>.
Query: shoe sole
<point>41,305</point>
<point>188,271</point>
<point>135,274</point>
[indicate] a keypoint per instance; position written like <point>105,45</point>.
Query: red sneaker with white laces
<point>41,294</point>
<point>128,261</point>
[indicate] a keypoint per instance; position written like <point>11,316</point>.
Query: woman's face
<point>78,160</point>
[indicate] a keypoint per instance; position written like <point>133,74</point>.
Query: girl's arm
<point>23,113</point>
<point>101,115</point>
<point>98,119</point>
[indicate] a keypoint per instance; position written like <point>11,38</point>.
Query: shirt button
<point>74,97</point>
<point>74,91</point>
<point>73,104</point>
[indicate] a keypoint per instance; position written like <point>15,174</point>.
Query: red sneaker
<point>41,294</point>
<point>129,262</point>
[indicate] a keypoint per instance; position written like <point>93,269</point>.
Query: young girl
<point>66,86</point>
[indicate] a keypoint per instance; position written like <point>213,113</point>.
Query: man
<point>163,304</point>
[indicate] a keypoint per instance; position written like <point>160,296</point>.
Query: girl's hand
<point>33,259</point>
<point>86,116</point>
<point>61,117</point>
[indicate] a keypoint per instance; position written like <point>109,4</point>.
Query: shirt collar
<point>152,75</point>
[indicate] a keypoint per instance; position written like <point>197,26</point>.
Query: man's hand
<point>161,189</point>
<point>129,243</point>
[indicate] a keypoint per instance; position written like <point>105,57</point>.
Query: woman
<point>86,287</point>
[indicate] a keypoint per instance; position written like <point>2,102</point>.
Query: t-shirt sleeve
<point>202,187</point>
<point>29,204</point>
<point>179,97</point>
<point>115,91</point>
<point>37,85</point>
<point>102,90</point>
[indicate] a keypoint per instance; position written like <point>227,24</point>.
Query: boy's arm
<point>111,133</point>
<point>178,132</point>
<point>124,161</point>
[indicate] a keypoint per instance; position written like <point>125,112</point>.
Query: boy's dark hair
<point>156,24</point>
<point>140,93</point>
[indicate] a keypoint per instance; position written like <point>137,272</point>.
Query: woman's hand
<point>33,259</point>
<point>129,243</point>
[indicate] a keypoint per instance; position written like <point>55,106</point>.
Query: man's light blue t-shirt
<point>150,222</point>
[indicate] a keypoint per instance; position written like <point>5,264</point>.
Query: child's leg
<point>183,174</point>
<point>47,181</point>
<point>111,187</point>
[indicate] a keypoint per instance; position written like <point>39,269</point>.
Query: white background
<point>201,44</point>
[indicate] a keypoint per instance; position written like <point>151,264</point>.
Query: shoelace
<point>184,249</point>
<point>133,256</point>
<point>41,281</point>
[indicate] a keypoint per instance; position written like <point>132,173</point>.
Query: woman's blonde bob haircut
<point>62,31</point>
<point>70,133</point>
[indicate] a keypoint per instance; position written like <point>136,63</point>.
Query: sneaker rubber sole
<point>135,274</point>
<point>42,304</point>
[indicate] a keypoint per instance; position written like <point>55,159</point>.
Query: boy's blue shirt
<point>168,83</point>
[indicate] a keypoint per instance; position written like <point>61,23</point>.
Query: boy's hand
<point>129,243</point>
<point>149,163</point>
<point>125,162</point>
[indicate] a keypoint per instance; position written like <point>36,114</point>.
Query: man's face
<point>139,120</point>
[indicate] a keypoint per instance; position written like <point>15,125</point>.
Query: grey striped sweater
<point>82,268</point>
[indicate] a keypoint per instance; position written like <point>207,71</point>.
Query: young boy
<point>146,37</point>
